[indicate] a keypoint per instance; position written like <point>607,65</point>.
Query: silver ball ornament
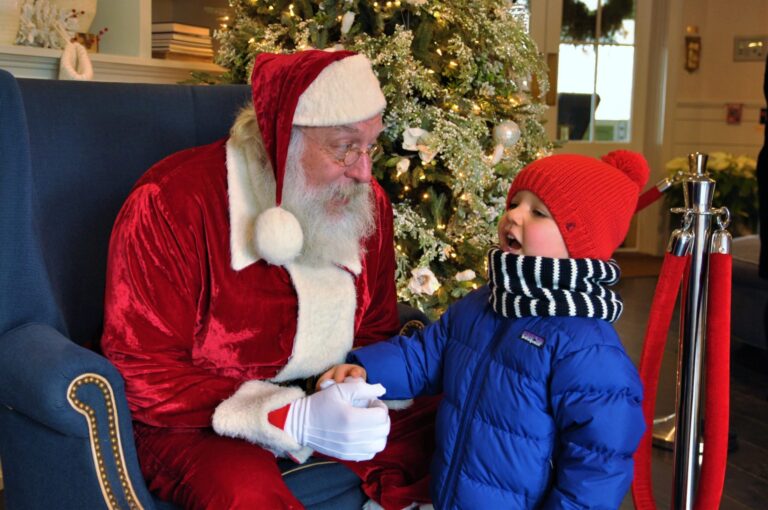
<point>506,133</point>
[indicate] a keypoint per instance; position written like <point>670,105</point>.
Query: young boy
<point>541,406</point>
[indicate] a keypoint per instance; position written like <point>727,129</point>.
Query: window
<point>595,70</point>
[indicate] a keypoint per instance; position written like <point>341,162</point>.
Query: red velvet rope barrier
<point>718,362</point>
<point>647,198</point>
<point>717,369</point>
<point>650,365</point>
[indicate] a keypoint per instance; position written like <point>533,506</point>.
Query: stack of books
<point>181,41</point>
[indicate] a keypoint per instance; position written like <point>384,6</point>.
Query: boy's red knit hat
<point>592,201</point>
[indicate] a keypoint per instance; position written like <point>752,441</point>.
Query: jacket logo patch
<point>532,338</point>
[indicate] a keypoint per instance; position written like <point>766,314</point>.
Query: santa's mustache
<point>349,191</point>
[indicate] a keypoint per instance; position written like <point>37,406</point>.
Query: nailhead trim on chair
<point>411,327</point>
<point>114,438</point>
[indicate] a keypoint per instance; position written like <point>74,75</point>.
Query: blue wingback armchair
<point>69,154</point>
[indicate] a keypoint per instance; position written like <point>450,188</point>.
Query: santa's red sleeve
<point>153,287</point>
<point>153,279</point>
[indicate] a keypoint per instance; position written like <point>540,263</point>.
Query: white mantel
<point>43,63</point>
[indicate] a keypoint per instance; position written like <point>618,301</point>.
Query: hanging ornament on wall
<point>505,135</point>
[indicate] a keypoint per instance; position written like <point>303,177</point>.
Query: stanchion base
<point>664,435</point>
<point>664,432</point>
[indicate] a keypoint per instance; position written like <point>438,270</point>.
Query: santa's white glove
<point>329,421</point>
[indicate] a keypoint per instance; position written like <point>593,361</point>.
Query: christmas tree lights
<point>461,119</point>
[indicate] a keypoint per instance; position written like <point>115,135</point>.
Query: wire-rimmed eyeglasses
<point>347,154</point>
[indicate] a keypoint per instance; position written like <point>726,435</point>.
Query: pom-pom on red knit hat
<point>592,201</point>
<point>306,88</point>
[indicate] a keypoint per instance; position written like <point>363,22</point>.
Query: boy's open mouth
<point>513,243</point>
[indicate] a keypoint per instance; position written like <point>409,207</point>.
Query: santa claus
<point>238,271</point>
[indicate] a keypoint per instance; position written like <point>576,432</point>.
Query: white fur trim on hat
<point>278,236</point>
<point>345,92</point>
<point>245,415</point>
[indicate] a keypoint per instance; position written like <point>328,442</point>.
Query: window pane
<point>624,35</point>
<point>617,22</point>
<point>614,92</point>
<point>576,68</point>
<point>579,21</point>
<point>575,85</point>
<point>595,104</point>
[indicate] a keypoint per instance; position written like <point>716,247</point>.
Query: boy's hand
<point>339,373</point>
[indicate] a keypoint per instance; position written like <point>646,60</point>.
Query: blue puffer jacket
<point>536,413</point>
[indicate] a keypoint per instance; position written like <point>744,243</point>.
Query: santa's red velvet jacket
<point>201,329</point>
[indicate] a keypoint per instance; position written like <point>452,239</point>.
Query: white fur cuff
<point>244,415</point>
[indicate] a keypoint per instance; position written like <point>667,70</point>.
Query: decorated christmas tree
<point>461,118</point>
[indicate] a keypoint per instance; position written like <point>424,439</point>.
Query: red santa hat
<point>307,88</point>
<point>592,201</point>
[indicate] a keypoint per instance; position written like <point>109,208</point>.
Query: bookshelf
<point>125,53</point>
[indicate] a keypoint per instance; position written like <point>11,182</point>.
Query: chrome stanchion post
<point>698,190</point>
<point>721,238</point>
<point>680,245</point>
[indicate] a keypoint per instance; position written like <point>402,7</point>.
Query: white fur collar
<point>249,195</point>
<point>325,323</point>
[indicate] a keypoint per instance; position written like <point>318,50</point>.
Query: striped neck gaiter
<point>523,286</point>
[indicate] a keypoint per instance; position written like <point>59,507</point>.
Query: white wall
<point>686,111</point>
<point>193,12</point>
<point>698,116</point>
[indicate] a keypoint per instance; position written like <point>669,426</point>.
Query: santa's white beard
<point>332,233</point>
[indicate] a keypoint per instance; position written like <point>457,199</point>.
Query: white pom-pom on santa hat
<point>278,236</point>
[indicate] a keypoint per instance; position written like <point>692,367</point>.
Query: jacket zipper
<point>450,482</point>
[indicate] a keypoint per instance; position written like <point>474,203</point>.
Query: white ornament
<point>411,138</point>
<point>75,63</point>
<point>416,2</point>
<point>423,281</point>
<point>346,21</point>
<point>278,237</point>
<point>498,153</point>
<point>45,25</point>
<point>465,276</point>
<point>507,133</point>
<point>426,153</point>
<point>402,166</point>
<point>417,139</point>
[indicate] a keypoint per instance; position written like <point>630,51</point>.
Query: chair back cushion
<point>88,143</point>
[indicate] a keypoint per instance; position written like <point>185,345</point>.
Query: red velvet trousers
<point>197,469</point>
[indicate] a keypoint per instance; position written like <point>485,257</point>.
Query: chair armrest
<point>57,384</point>
<point>37,366</point>
<point>411,319</point>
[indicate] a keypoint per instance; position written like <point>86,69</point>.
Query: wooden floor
<point>746,485</point>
